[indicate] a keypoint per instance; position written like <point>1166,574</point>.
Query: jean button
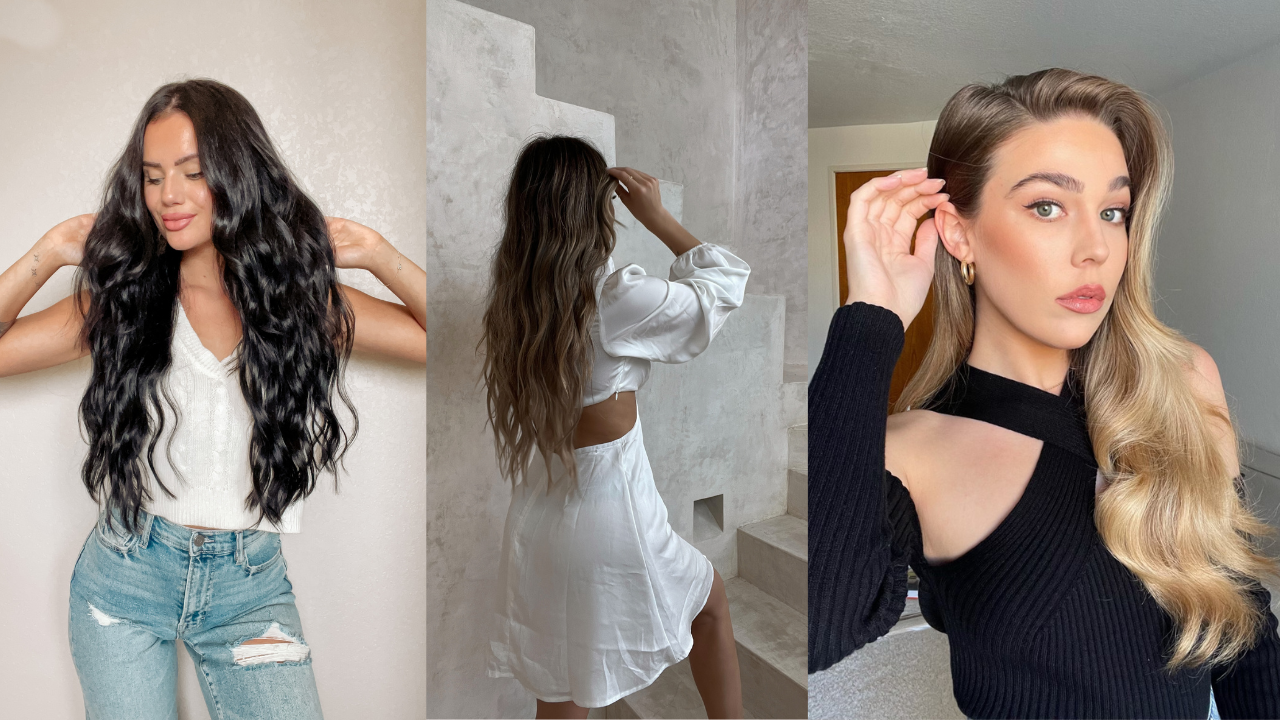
<point>199,540</point>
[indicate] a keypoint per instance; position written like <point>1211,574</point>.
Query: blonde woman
<point>598,594</point>
<point>1062,470</point>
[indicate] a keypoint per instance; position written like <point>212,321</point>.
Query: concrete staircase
<point>767,601</point>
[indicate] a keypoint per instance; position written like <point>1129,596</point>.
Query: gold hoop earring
<point>968,272</point>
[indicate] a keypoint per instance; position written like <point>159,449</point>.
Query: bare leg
<point>714,658</point>
<point>566,709</point>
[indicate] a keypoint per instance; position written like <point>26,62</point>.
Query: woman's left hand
<point>354,245</point>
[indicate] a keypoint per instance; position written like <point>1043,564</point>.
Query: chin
<point>182,243</point>
<point>1075,338</point>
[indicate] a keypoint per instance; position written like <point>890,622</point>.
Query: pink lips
<point>173,222</point>
<point>1084,299</point>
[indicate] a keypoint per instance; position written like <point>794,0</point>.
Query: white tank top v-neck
<point>209,474</point>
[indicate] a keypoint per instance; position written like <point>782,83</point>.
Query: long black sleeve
<point>857,573</point>
<point>1250,687</point>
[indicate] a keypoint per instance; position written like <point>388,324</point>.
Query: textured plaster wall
<point>1216,278</point>
<point>771,155</point>
<point>709,94</point>
<point>856,147</point>
<point>341,89</point>
<point>712,426</point>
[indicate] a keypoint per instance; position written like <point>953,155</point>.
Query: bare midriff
<point>606,421</point>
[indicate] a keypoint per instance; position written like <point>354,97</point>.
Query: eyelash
<point>190,176</point>
<point>1123,210</point>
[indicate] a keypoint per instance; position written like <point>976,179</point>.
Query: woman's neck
<point>201,269</point>
<point>1000,348</point>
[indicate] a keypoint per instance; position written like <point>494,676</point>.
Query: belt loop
<point>144,533</point>
<point>239,547</point>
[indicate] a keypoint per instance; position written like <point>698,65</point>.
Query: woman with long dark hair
<point>1061,472</point>
<point>208,299</point>
<point>598,595</point>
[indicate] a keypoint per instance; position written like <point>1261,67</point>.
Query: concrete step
<point>672,695</point>
<point>798,447</point>
<point>798,494</point>
<point>772,643</point>
<point>771,640</point>
<point>773,555</point>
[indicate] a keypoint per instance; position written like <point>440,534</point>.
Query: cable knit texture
<point>205,461</point>
<point>1041,619</point>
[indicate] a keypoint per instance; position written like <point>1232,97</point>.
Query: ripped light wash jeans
<point>134,595</point>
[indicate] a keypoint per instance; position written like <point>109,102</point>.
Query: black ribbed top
<point>1042,620</point>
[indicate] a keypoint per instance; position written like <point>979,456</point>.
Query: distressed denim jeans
<point>135,595</point>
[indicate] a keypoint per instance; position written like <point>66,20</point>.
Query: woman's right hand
<point>883,214</point>
<point>66,239</point>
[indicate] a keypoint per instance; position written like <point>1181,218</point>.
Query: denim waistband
<point>189,540</point>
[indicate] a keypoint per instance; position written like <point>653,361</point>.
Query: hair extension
<point>278,270</point>
<point>558,236</point>
<point>1171,513</point>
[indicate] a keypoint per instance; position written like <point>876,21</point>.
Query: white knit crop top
<point>210,447</point>
<point>642,318</point>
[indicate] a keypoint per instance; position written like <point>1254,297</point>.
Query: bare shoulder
<point>1204,377</point>
<point>1206,383</point>
<point>908,434</point>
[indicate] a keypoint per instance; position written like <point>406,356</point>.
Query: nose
<point>172,192</point>
<point>1093,242</point>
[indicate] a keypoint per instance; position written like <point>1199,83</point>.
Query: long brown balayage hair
<point>1171,513</point>
<point>538,354</point>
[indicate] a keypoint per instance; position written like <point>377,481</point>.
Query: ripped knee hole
<point>273,646</point>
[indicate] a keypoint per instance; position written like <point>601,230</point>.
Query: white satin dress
<point>597,592</point>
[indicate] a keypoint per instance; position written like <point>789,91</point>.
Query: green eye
<point>1045,209</point>
<point>1114,215</point>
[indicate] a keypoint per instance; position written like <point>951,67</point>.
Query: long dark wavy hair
<point>559,233</point>
<point>278,270</point>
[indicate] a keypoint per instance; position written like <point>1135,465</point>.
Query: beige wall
<point>341,87</point>
<point>831,150</point>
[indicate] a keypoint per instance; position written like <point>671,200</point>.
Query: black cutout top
<point>1041,619</point>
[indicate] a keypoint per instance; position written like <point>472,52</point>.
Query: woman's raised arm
<point>383,327</point>
<point>52,336</point>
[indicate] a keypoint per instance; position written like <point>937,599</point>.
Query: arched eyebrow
<point>181,160</point>
<point>1066,182</point>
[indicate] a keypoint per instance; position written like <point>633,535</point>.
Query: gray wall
<point>341,89</point>
<point>772,194</point>
<point>709,94</point>
<point>1219,251</point>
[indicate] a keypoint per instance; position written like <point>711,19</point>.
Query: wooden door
<point>920,334</point>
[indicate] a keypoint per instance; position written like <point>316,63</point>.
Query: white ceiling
<point>889,61</point>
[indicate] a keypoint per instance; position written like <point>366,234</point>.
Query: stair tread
<point>771,629</point>
<point>785,532</point>
<point>672,695</point>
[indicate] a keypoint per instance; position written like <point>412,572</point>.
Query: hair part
<point>1171,513</point>
<point>558,236</point>
<point>278,270</point>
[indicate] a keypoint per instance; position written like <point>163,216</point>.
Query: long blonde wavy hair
<point>538,354</point>
<point>1171,512</point>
